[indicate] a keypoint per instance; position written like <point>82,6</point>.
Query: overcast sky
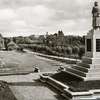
<point>25,17</point>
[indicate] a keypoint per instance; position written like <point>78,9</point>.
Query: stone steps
<point>87,60</point>
<point>90,78</point>
<point>93,75</point>
<point>77,72</point>
<point>70,95</point>
<point>83,65</point>
<point>84,71</point>
<point>93,72</point>
<point>80,68</point>
<point>96,66</point>
<point>58,86</point>
<point>75,75</point>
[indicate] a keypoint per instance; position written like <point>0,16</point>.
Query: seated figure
<point>61,68</point>
<point>36,70</point>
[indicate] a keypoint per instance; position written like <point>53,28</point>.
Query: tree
<point>75,50</point>
<point>81,51</point>
<point>41,39</point>
<point>69,50</point>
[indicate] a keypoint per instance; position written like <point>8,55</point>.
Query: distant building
<point>12,45</point>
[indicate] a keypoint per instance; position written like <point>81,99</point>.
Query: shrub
<point>69,50</point>
<point>75,50</point>
<point>81,51</point>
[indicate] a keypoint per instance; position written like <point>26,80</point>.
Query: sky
<point>26,17</point>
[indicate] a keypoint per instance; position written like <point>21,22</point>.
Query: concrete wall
<point>93,35</point>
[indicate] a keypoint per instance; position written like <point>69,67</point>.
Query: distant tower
<point>96,16</point>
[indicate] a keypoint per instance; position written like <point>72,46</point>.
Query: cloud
<point>36,16</point>
<point>6,14</point>
<point>40,16</point>
<point>19,23</point>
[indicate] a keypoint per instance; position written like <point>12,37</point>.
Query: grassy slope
<point>21,62</point>
<point>17,61</point>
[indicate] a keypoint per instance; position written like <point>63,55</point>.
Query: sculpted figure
<point>96,16</point>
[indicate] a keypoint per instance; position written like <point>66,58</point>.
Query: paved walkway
<point>61,58</point>
<point>25,87</point>
<point>20,78</point>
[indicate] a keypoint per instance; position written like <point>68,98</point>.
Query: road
<point>25,87</point>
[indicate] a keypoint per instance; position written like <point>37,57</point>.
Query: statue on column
<point>96,16</point>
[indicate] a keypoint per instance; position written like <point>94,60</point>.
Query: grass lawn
<point>14,61</point>
<point>17,62</point>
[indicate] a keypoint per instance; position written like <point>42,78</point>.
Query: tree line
<point>53,44</point>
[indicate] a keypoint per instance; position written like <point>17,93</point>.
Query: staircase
<point>80,70</point>
<point>85,70</point>
<point>66,90</point>
<point>74,81</point>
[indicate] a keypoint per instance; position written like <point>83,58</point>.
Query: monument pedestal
<point>82,81</point>
<point>92,54</point>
